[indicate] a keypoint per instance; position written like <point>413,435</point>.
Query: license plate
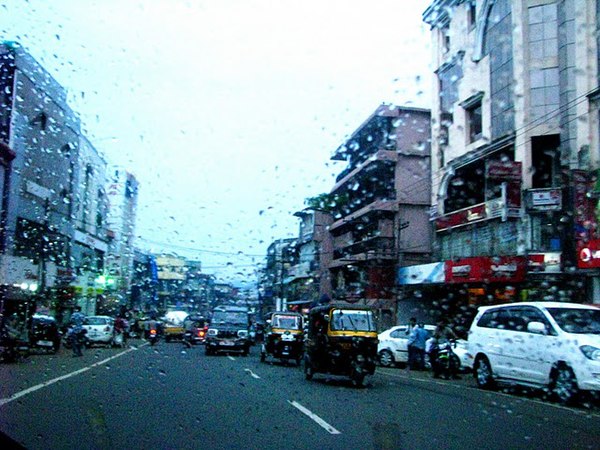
<point>45,343</point>
<point>228,343</point>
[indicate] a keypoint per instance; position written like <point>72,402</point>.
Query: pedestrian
<point>419,342</point>
<point>412,323</point>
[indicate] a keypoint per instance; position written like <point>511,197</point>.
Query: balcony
<point>378,206</point>
<point>369,249</point>
<point>350,173</point>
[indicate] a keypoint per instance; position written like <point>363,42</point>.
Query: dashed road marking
<point>231,357</point>
<point>252,374</point>
<point>314,417</point>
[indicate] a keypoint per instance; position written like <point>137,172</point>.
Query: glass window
<point>351,320</point>
<point>474,122</point>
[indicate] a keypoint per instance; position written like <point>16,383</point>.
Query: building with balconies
<point>515,150</point>
<point>380,206</point>
<point>308,279</point>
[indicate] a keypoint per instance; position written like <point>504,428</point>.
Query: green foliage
<point>328,202</point>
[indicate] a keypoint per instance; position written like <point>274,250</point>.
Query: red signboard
<point>481,269</point>
<point>462,217</point>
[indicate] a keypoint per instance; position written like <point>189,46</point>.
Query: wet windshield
<point>420,159</point>
<point>289,322</point>
<point>577,320</point>
<point>229,318</point>
<point>351,320</point>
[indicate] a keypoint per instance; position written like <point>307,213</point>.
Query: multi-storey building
<point>514,151</point>
<point>281,256</point>
<point>38,126</point>
<point>380,206</point>
<point>89,245</point>
<point>122,196</point>
<point>308,279</point>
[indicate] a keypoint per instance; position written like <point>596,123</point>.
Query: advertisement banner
<point>482,269</point>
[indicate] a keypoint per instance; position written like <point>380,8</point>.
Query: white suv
<point>547,344</point>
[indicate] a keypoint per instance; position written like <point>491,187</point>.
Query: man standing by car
<point>416,344</point>
<point>412,324</point>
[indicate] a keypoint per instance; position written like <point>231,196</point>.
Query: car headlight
<point>212,332</point>
<point>590,352</point>
<point>242,333</point>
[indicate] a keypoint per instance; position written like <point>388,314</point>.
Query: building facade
<point>514,151</point>
<point>308,279</point>
<point>42,132</point>
<point>380,207</point>
<point>122,197</point>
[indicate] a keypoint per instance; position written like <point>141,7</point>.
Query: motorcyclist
<point>151,324</point>
<point>442,334</point>
<point>120,327</point>
<point>76,331</point>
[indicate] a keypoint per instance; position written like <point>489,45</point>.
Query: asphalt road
<point>165,397</point>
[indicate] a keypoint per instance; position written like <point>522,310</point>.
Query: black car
<point>44,333</point>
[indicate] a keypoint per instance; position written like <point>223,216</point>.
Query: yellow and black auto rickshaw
<point>284,338</point>
<point>341,340</point>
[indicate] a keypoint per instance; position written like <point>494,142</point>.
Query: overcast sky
<point>226,111</point>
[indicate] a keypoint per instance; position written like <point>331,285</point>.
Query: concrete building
<point>41,130</point>
<point>281,255</point>
<point>380,207</point>
<point>90,242</point>
<point>308,278</point>
<point>122,197</point>
<point>515,151</point>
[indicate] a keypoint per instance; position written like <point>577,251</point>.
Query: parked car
<point>393,348</point>
<point>100,329</point>
<point>44,333</point>
<point>546,344</point>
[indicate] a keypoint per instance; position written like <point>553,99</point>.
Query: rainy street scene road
<point>258,224</point>
<point>167,393</point>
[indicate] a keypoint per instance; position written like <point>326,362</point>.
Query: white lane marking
<point>231,357</point>
<point>27,391</point>
<point>252,374</point>
<point>314,417</point>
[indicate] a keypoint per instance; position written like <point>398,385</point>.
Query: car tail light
<point>153,332</point>
<point>201,333</point>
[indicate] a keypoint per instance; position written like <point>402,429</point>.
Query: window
<point>471,15</point>
<point>474,122</point>
<point>445,31</point>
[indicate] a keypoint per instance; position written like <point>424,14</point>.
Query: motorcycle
<point>444,362</point>
<point>76,338</point>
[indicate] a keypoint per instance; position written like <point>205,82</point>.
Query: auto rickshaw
<point>284,338</point>
<point>341,340</point>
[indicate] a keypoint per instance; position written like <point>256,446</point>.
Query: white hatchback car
<point>393,347</point>
<point>542,344</point>
<point>100,329</point>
